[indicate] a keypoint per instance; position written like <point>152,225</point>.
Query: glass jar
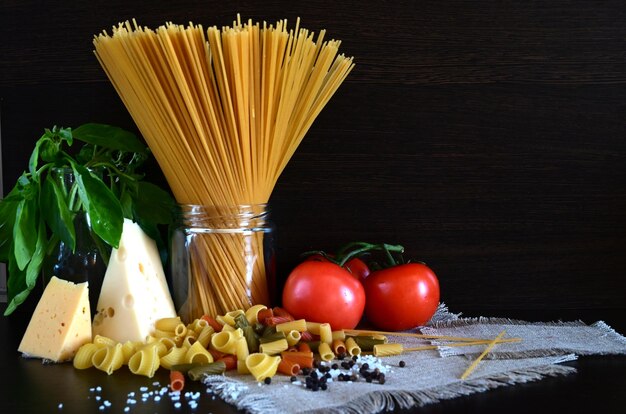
<point>88,261</point>
<point>222,259</point>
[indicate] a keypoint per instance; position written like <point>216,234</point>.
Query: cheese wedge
<point>134,292</point>
<point>61,322</point>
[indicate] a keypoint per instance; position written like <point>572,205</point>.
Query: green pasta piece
<point>366,343</point>
<point>241,321</point>
<point>272,337</point>
<point>268,330</point>
<point>184,368</point>
<point>214,368</point>
<point>314,345</point>
<point>259,328</point>
<point>252,339</point>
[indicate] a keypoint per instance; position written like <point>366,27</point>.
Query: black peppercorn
<point>268,380</point>
<point>293,378</point>
<point>324,387</point>
<point>355,358</point>
<point>306,371</point>
<point>402,364</point>
<point>335,366</point>
<point>368,379</point>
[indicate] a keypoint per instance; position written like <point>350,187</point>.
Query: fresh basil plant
<point>38,213</point>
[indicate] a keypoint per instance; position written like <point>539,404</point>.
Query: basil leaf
<point>8,211</point>
<point>108,136</point>
<point>57,213</point>
<point>105,211</point>
<point>25,232</point>
<point>154,204</point>
<point>34,266</point>
<point>66,134</point>
<point>34,157</point>
<point>17,291</point>
<point>127,205</point>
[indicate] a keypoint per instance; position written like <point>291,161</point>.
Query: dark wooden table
<point>31,387</point>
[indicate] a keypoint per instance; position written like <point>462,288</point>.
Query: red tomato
<point>401,297</point>
<point>321,291</point>
<point>358,268</point>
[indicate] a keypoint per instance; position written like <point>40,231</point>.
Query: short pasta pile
<point>259,341</point>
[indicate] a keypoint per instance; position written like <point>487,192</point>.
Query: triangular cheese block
<point>61,322</point>
<point>134,292</point>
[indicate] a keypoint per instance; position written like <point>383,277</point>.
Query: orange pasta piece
<point>264,314</point>
<point>339,347</point>
<point>216,354</point>
<point>304,359</point>
<point>288,367</point>
<point>307,336</point>
<point>275,320</point>
<point>213,322</point>
<point>177,380</point>
<point>230,361</point>
<point>304,347</point>
<point>278,311</point>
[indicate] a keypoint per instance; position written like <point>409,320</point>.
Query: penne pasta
<point>339,346</point>
<point>274,347</point>
<point>352,347</point>
<point>326,334</point>
<point>325,352</point>
<point>387,349</point>
<point>293,337</point>
<point>297,325</point>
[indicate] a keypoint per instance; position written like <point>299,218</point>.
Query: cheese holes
<point>129,301</point>
<point>121,253</point>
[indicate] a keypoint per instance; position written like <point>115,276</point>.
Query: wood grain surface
<point>488,138</point>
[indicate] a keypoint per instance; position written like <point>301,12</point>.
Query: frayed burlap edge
<point>235,393</point>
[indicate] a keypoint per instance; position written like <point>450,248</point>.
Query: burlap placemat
<point>428,376</point>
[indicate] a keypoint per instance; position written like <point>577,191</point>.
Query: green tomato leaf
<point>108,136</point>
<point>57,213</point>
<point>34,266</point>
<point>104,209</point>
<point>153,204</point>
<point>25,232</point>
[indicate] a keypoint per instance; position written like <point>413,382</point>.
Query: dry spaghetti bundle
<point>223,111</point>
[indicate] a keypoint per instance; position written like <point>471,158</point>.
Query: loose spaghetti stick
<point>413,335</point>
<point>481,356</point>
<point>381,349</point>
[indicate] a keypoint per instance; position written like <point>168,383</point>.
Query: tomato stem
<point>368,247</point>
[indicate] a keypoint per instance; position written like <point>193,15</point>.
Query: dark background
<point>488,138</point>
